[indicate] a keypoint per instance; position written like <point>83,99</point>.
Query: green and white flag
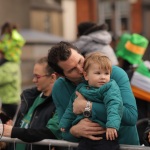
<point>140,81</point>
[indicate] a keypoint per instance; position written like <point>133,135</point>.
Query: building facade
<point>61,17</point>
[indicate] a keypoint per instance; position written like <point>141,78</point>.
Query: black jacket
<point>37,129</point>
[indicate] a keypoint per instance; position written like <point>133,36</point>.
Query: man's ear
<point>54,77</point>
<point>59,75</point>
<point>85,75</point>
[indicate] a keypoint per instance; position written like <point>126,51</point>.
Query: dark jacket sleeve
<point>32,135</point>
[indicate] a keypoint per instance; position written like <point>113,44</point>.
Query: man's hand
<point>87,129</point>
<point>9,122</point>
<point>79,104</point>
<point>149,137</point>
<point>7,130</point>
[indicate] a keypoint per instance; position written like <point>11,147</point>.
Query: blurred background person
<point>94,37</point>
<point>140,84</point>
<point>130,51</point>
<point>11,42</point>
<point>10,83</point>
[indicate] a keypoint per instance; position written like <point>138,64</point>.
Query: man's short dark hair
<point>60,52</point>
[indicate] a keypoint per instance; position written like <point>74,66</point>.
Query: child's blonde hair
<point>99,58</point>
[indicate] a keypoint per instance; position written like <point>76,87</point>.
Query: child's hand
<point>111,134</point>
<point>62,129</point>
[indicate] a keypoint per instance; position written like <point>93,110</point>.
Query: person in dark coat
<point>36,119</point>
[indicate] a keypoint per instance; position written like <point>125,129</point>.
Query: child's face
<point>97,77</point>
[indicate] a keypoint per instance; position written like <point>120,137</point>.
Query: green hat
<point>120,47</point>
<point>132,48</point>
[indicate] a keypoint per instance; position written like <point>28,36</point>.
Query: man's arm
<point>28,135</point>
<point>67,120</point>
<point>50,131</point>
<point>61,94</point>
<point>88,129</point>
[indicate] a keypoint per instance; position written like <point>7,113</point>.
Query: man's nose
<point>34,80</point>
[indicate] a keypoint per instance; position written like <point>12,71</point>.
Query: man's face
<point>73,67</point>
<point>40,78</point>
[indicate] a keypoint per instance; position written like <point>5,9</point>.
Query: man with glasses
<point>36,119</point>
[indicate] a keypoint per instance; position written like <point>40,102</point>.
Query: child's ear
<point>85,75</point>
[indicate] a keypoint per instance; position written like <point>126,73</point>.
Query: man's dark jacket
<point>37,128</point>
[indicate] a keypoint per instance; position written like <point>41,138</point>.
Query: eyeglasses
<point>35,76</point>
